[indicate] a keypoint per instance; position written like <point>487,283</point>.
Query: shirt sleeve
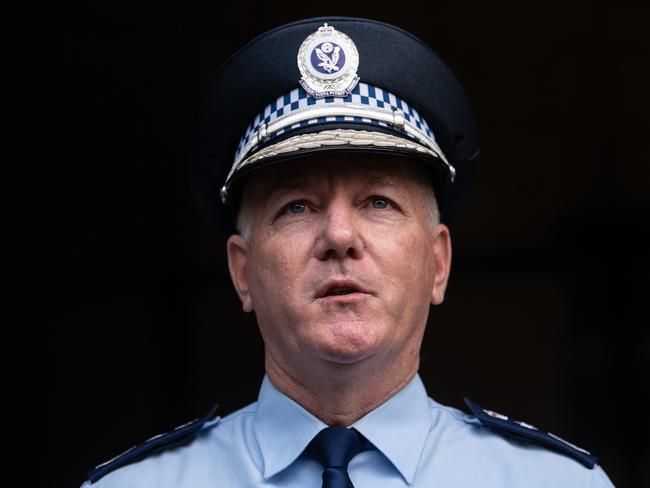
<point>600,479</point>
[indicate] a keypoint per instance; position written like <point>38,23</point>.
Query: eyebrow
<point>299,182</point>
<point>288,186</point>
<point>381,180</point>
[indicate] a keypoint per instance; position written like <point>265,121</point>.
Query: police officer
<point>335,146</point>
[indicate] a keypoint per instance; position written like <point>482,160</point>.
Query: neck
<point>340,394</point>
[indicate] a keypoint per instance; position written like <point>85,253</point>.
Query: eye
<point>379,202</point>
<point>297,206</point>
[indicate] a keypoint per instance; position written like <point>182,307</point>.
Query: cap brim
<point>325,140</point>
<point>336,141</point>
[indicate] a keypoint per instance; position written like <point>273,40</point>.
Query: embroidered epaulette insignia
<point>180,434</point>
<point>521,429</point>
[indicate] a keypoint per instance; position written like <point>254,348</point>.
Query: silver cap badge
<point>328,62</point>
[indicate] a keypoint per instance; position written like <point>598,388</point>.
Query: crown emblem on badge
<point>328,61</point>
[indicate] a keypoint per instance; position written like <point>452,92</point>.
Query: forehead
<point>319,171</point>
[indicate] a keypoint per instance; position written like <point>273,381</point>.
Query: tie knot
<point>335,446</point>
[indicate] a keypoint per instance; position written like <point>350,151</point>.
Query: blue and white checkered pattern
<point>298,100</point>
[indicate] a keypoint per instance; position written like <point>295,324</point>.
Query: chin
<point>347,342</point>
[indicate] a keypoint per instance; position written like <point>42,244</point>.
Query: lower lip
<point>347,298</point>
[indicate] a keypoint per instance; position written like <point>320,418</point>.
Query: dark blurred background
<point>129,324</point>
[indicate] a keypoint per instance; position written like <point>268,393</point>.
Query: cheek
<point>275,271</point>
<point>407,264</point>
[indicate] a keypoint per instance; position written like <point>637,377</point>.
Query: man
<point>350,139</point>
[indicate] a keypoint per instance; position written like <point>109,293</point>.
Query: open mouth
<point>340,290</point>
<point>337,288</point>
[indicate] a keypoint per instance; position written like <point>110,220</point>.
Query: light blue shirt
<point>419,443</point>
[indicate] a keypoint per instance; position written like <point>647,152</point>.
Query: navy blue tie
<point>334,447</point>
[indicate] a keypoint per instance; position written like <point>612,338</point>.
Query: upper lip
<point>341,284</point>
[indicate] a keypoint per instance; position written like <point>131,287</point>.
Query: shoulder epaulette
<point>182,433</point>
<point>523,430</point>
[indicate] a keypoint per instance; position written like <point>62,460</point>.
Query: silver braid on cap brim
<point>333,138</point>
<point>350,138</point>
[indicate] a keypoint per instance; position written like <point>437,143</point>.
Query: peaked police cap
<point>329,84</point>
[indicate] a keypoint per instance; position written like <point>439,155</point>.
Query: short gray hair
<point>243,224</point>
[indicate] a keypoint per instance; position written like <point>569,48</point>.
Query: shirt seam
<point>235,415</point>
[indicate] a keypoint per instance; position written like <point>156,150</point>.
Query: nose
<point>340,234</point>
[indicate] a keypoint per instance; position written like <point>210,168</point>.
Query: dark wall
<point>129,322</point>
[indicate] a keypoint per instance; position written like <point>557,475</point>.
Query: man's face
<point>342,261</point>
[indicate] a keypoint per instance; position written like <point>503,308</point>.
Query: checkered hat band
<point>369,103</point>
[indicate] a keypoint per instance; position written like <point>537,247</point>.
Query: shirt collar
<point>282,427</point>
<point>398,427</point>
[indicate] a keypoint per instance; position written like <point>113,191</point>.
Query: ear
<point>237,248</point>
<point>441,244</point>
